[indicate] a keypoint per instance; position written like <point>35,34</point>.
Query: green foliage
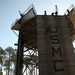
<point>1,51</point>
<point>7,59</point>
<point>1,57</point>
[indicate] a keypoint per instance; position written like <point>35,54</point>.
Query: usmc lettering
<point>55,41</point>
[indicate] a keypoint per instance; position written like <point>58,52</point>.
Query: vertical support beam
<point>19,63</point>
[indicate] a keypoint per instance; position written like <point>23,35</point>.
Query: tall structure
<point>51,36</point>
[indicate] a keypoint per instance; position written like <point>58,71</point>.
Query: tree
<point>1,62</point>
<point>13,60</point>
<point>9,52</point>
<point>14,56</point>
<point>7,68</point>
<point>1,57</point>
<point>8,59</point>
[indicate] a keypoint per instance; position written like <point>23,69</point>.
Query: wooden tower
<point>51,36</point>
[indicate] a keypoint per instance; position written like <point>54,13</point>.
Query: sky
<point>9,13</point>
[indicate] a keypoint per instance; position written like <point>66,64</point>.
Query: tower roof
<point>28,14</point>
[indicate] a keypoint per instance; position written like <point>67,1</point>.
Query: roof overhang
<point>28,14</point>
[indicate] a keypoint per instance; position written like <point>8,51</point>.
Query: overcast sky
<point>9,13</point>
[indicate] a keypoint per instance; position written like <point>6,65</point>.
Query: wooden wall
<point>56,54</point>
